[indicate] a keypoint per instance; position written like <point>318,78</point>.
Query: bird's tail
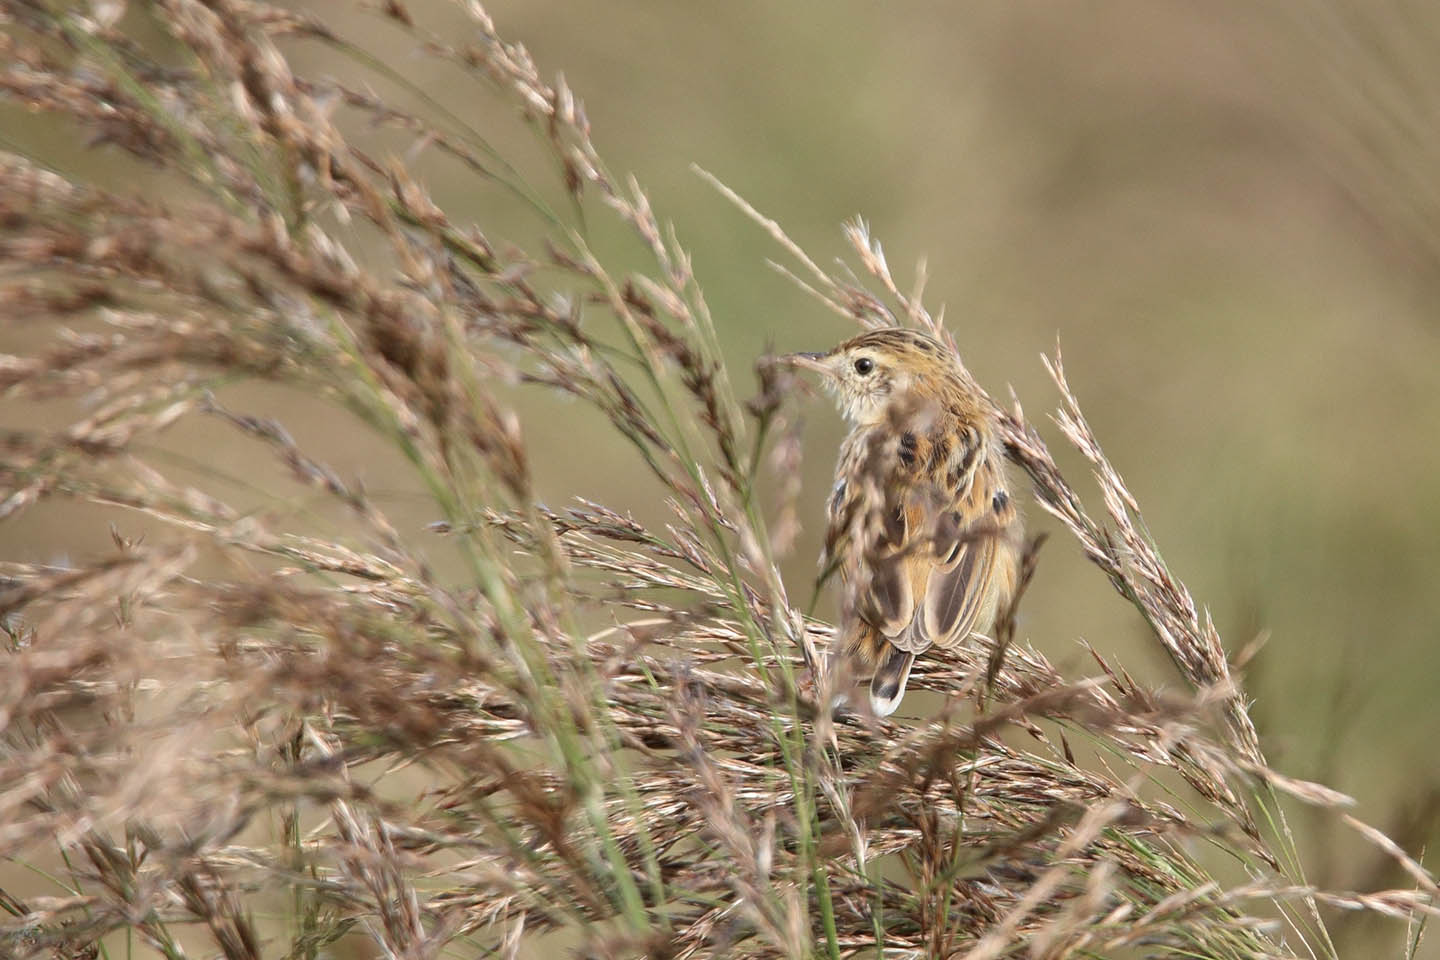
<point>887,687</point>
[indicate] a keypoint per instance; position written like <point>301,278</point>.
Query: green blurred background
<point>1229,217</point>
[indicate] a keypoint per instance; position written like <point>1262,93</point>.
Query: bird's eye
<point>864,365</point>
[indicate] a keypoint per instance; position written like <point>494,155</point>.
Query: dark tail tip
<point>887,687</point>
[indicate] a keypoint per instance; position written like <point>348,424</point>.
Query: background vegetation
<point>1226,216</point>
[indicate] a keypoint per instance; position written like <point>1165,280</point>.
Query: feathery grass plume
<point>271,732</point>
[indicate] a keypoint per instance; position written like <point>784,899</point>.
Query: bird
<point>921,524</point>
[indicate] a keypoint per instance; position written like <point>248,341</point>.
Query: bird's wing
<point>867,537</point>
<point>955,593</point>
<point>918,561</point>
<point>955,562</point>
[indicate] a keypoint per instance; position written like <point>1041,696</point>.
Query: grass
<point>244,738</point>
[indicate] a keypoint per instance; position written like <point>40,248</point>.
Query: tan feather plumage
<point>922,527</point>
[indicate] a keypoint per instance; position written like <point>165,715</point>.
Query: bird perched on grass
<point>922,527</point>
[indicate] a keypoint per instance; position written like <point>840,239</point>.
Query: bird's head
<point>868,373</point>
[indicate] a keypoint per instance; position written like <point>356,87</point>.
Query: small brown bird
<point>922,527</point>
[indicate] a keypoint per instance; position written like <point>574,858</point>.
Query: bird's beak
<point>810,361</point>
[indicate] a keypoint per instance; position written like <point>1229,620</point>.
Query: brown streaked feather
<point>954,597</point>
<point>889,604</point>
<point>921,527</point>
<point>926,580</point>
<point>960,594</point>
